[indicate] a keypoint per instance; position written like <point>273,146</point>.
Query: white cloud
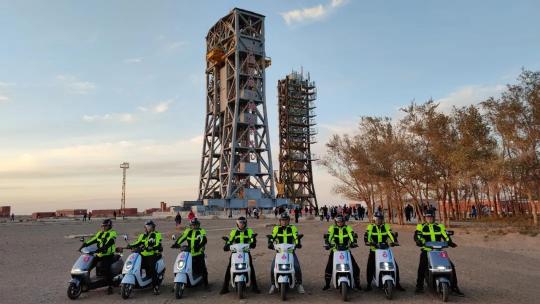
<point>162,107</point>
<point>468,95</point>
<point>175,45</point>
<point>76,86</point>
<point>133,60</point>
<point>311,13</point>
<point>4,98</point>
<point>142,109</point>
<point>121,117</point>
<point>7,84</point>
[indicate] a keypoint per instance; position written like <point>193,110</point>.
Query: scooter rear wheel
<point>74,291</point>
<point>445,290</point>
<point>179,290</point>
<point>388,289</point>
<point>240,289</point>
<point>125,290</point>
<point>283,288</point>
<point>344,288</point>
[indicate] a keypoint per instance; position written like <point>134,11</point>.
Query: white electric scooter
<point>439,273</point>
<point>284,273</point>
<point>385,268</point>
<point>183,271</point>
<point>240,267</point>
<point>342,268</point>
<point>134,276</point>
<point>81,281</point>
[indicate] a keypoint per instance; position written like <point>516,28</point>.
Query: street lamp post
<point>124,166</point>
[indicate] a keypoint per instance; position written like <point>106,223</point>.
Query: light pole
<point>124,166</point>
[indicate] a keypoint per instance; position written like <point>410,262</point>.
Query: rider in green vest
<point>105,240</point>
<point>377,233</point>
<point>240,235</point>
<point>195,237</point>
<point>430,231</point>
<point>150,247</point>
<point>341,235</point>
<point>284,233</point>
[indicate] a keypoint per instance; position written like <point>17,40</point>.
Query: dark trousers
<point>199,267</point>
<point>297,270</point>
<point>227,279</point>
<point>103,266</point>
<point>329,268</point>
<point>370,271</point>
<point>423,268</point>
<point>149,264</point>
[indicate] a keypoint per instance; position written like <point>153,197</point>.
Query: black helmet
<point>106,223</point>
<point>150,223</point>
<point>429,213</point>
<point>378,215</point>
<point>339,218</point>
<point>195,222</point>
<point>284,216</point>
<point>241,220</point>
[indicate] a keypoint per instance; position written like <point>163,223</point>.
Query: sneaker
<point>326,287</point>
<point>110,290</point>
<point>399,287</point>
<point>419,290</point>
<point>272,289</point>
<point>156,290</point>
<point>301,289</point>
<point>369,288</point>
<point>224,290</point>
<point>255,289</point>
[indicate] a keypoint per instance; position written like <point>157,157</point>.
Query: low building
<point>5,211</point>
<point>42,215</point>
<point>71,212</point>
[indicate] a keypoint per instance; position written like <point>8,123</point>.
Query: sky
<point>87,85</point>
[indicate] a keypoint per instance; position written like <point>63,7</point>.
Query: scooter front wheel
<point>388,289</point>
<point>445,290</point>
<point>74,291</point>
<point>179,290</point>
<point>283,288</point>
<point>344,288</point>
<point>240,289</point>
<point>125,290</point>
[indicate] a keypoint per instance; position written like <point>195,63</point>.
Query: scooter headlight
<point>181,264</point>
<point>240,266</point>
<point>78,271</point>
<point>387,266</point>
<point>128,266</point>
<point>284,267</point>
<point>343,267</point>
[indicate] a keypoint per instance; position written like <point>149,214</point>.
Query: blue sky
<point>86,85</point>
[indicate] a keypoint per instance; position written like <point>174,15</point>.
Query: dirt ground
<point>37,257</point>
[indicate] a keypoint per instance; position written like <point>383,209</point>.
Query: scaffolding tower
<point>296,102</point>
<point>236,165</point>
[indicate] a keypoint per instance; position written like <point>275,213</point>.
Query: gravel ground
<point>37,257</point>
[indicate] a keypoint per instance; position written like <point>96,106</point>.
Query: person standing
<point>178,219</point>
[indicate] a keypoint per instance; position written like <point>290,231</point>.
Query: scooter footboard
<point>128,279</point>
<point>181,278</point>
<point>345,279</point>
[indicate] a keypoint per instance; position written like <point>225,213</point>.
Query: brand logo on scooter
<point>443,255</point>
<point>283,257</point>
<point>132,257</point>
<point>384,254</point>
<point>182,255</point>
<point>341,256</point>
<point>86,259</point>
<point>239,256</point>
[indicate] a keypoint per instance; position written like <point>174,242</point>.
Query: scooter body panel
<point>284,265</point>
<point>132,271</point>
<point>183,270</point>
<point>385,267</point>
<point>240,267</point>
<point>342,270</point>
<point>439,268</point>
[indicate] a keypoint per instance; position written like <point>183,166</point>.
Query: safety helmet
<point>284,216</point>
<point>150,223</point>
<point>241,221</point>
<point>339,219</point>
<point>429,213</point>
<point>378,215</point>
<point>195,222</point>
<point>106,223</point>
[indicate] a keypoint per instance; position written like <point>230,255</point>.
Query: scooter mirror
<point>269,236</point>
<point>255,235</point>
<point>300,236</point>
<point>225,238</point>
<point>325,236</point>
<point>450,232</point>
<point>81,239</point>
<point>173,237</point>
<point>395,234</point>
<point>125,237</point>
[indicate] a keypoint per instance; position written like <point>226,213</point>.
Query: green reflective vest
<point>340,235</point>
<point>427,232</point>
<point>149,248</point>
<point>194,238</point>
<point>285,235</point>
<point>104,238</point>
<point>238,236</point>
<point>379,234</point>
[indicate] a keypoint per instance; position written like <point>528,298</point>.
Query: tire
<point>74,291</point>
<point>125,290</point>
<point>240,289</point>
<point>388,289</point>
<point>178,290</point>
<point>284,287</point>
<point>344,288</point>
<point>445,291</point>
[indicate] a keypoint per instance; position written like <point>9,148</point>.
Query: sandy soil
<point>37,257</point>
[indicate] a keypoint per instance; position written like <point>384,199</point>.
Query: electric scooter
<point>240,267</point>
<point>284,273</point>
<point>385,268</point>
<point>342,268</point>
<point>81,279</point>
<point>133,276</point>
<point>439,272</point>
<point>183,271</point>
